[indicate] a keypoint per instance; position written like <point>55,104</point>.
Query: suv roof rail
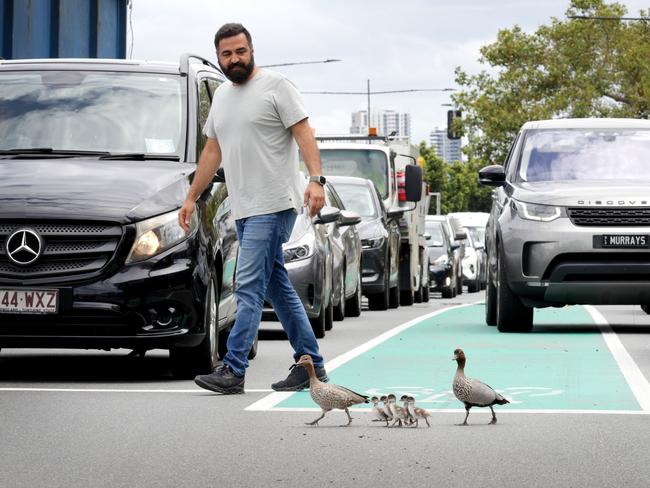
<point>184,63</point>
<point>351,138</point>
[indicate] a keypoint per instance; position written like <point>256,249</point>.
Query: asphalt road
<point>578,417</point>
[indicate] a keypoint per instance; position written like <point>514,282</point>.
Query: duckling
<point>474,393</point>
<point>410,419</point>
<point>418,413</point>
<point>387,412</point>
<point>380,416</point>
<point>327,395</point>
<point>399,414</point>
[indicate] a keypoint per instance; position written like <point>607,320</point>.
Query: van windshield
<point>92,111</point>
<point>365,163</point>
<point>585,154</point>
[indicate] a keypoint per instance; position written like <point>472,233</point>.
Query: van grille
<point>607,217</point>
<point>68,249</point>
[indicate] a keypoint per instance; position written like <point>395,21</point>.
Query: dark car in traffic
<point>380,240</point>
<point>442,259</point>
<point>96,157</point>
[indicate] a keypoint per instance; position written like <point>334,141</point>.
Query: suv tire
<point>381,300</point>
<point>511,314</point>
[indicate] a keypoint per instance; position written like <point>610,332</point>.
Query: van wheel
<point>646,308</point>
<point>511,314</point>
<point>202,359</point>
<point>393,297</point>
<point>425,293</point>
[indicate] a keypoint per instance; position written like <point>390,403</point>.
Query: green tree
<point>570,68</point>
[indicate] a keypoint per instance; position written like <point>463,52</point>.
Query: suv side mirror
<point>493,175</point>
<point>349,218</point>
<point>219,176</point>
<point>413,182</point>
<point>327,215</point>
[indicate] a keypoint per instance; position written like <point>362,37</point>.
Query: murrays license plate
<point>622,241</point>
<point>29,301</point>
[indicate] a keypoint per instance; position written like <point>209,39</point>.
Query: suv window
<point>92,111</point>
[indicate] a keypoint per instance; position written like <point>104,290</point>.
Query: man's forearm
<point>308,147</point>
<point>209,163</point>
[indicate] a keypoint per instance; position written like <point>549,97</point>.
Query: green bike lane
<point>571,362</point>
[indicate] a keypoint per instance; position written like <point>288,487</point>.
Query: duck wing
<point>350,395</point>
<point>481,394</point>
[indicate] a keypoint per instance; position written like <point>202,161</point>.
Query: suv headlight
<point>158,234</point>
<point>537,212</point>
<point>374,243</point>
<point>300,249</point>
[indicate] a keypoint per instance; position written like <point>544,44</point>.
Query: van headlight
<point>537,212</point>
<point>156,235</point>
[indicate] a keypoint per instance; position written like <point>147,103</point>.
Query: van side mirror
<point>413,182</point>
<point>493,175</point>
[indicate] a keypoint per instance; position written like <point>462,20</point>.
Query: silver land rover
<point>570,219</point>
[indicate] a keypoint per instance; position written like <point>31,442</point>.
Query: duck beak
<point>455,358</point>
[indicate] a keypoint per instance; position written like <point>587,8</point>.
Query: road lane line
<point>273,399</point>
<point>116,390</point>
<point>636,380</point>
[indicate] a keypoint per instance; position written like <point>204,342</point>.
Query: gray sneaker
<point>223,380</point>
<point>298,379</point>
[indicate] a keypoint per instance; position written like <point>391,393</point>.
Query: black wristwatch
<point>320,179</point>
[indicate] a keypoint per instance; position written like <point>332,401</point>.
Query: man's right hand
<point>185,213</point>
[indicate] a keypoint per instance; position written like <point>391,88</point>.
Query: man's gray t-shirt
<point>259,154</point>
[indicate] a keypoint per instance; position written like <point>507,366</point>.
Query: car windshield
<point>371,164</point>
<point>358,199</point>
<point>91,111</point>
<point>585,154</point>
<point>437,239</point>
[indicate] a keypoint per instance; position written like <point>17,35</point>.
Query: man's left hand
<point>314,198</point>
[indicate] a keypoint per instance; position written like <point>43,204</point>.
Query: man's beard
<point>238,72</point>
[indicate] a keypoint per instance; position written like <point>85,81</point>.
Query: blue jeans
<point>261,274</point>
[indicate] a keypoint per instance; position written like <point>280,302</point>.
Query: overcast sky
<point>397,45</point>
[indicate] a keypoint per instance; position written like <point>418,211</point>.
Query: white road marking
<point>633,375</point>
<point>270,401</point>
<point>121,390</point>
<point>479,411</point>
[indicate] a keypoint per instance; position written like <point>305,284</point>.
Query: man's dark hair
<point>231,30</point>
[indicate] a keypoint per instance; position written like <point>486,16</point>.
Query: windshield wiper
<point>140,156</point>
<point>49,151</point>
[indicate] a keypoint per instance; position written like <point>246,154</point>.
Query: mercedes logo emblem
<point>24,247</point>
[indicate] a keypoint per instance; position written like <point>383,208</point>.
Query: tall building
<point>447,149</point>
<point>386,122</point>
